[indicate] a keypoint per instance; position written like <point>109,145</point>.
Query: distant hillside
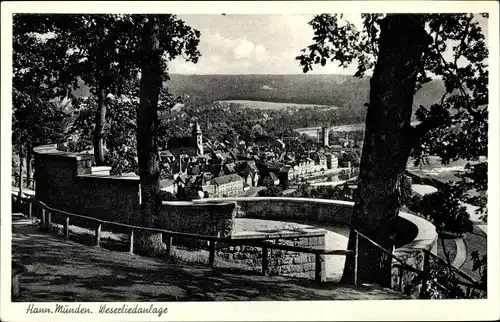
<point>337,90</point>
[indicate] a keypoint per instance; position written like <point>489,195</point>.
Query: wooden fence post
<point>169,245</point>
<point>317,275</point>
<point>66,228</point>
<point>49,219</point>
<point>131,239</point>
<point>98,234</point>
<point>44,221</point>
<point>356,256</point>
<point>265,260</point>
<point>211,257</point>
<point>30,208</point>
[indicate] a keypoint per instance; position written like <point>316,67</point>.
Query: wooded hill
<point>337,90</point>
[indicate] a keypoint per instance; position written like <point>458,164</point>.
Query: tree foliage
<point>38,116</point>
<point>103,53</point>
<point>445,212</point>
<point>271,191</point>
<point>454,127</point>
<point>339,192</point>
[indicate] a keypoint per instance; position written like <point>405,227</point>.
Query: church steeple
<point>199,139</point>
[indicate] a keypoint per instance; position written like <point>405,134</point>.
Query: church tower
<point>199,140</point>
<point>324,136</point>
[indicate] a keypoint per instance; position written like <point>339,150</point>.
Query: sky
<point>251,44</point>
<point>255,44</point>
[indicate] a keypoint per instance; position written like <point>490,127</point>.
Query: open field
<point>261,105</point>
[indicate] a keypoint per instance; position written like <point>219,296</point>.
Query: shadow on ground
<point>60,270</point>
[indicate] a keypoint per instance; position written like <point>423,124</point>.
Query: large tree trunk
<point>21,169</point>
<point>100,123</point>
<point>386,145</point>
<point>29,157</point>
<point>147,119</point>
<point>100,116</point>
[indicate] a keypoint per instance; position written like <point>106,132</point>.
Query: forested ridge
<point>337,90</point>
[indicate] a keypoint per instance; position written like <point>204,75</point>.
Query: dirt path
<point>461,256</point>
<point>60,270</point>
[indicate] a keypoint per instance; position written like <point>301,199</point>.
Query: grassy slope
<point>475,241</point>
<point>451,249</point>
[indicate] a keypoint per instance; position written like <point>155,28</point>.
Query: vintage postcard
<point>261,160</point>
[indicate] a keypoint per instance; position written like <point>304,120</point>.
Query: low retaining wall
<point>280,262</point>
<point>216,219</point>
<point>307,210</point>
<point>414,233</point>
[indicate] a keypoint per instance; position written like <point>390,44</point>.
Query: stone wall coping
<point>192,203</point>
<point>289,199</point>
<point>65,155</point>
<point>425,238</point>
<point>281,233</point>
<point>101,168</point>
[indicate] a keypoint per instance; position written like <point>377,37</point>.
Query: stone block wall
<point>65,181</point>
<point>300,210</point>
<point>215,219</point>
<point>280,262</point>
<point>111,198</point>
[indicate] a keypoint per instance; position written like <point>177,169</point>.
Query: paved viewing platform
<point>61,270</point>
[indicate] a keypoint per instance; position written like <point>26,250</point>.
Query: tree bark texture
<point>100,123</point>
<point>386,146</point>
<point>21,169</point>
<point>29,158</point>
<point>147,119</point>
<point>100,116</point>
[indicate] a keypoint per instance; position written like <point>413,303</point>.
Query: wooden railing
<point>46,212</point>
<point>423,276</point>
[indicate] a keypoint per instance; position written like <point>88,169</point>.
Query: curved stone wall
<point>292,209</point>
<point>214,219</point>
<point>414,233</point>
<point>325,212</point>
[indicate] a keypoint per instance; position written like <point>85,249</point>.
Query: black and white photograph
<point>248,157</point>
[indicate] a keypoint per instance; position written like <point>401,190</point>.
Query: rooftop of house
<point>230,167</point>
<point>227,179</point>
